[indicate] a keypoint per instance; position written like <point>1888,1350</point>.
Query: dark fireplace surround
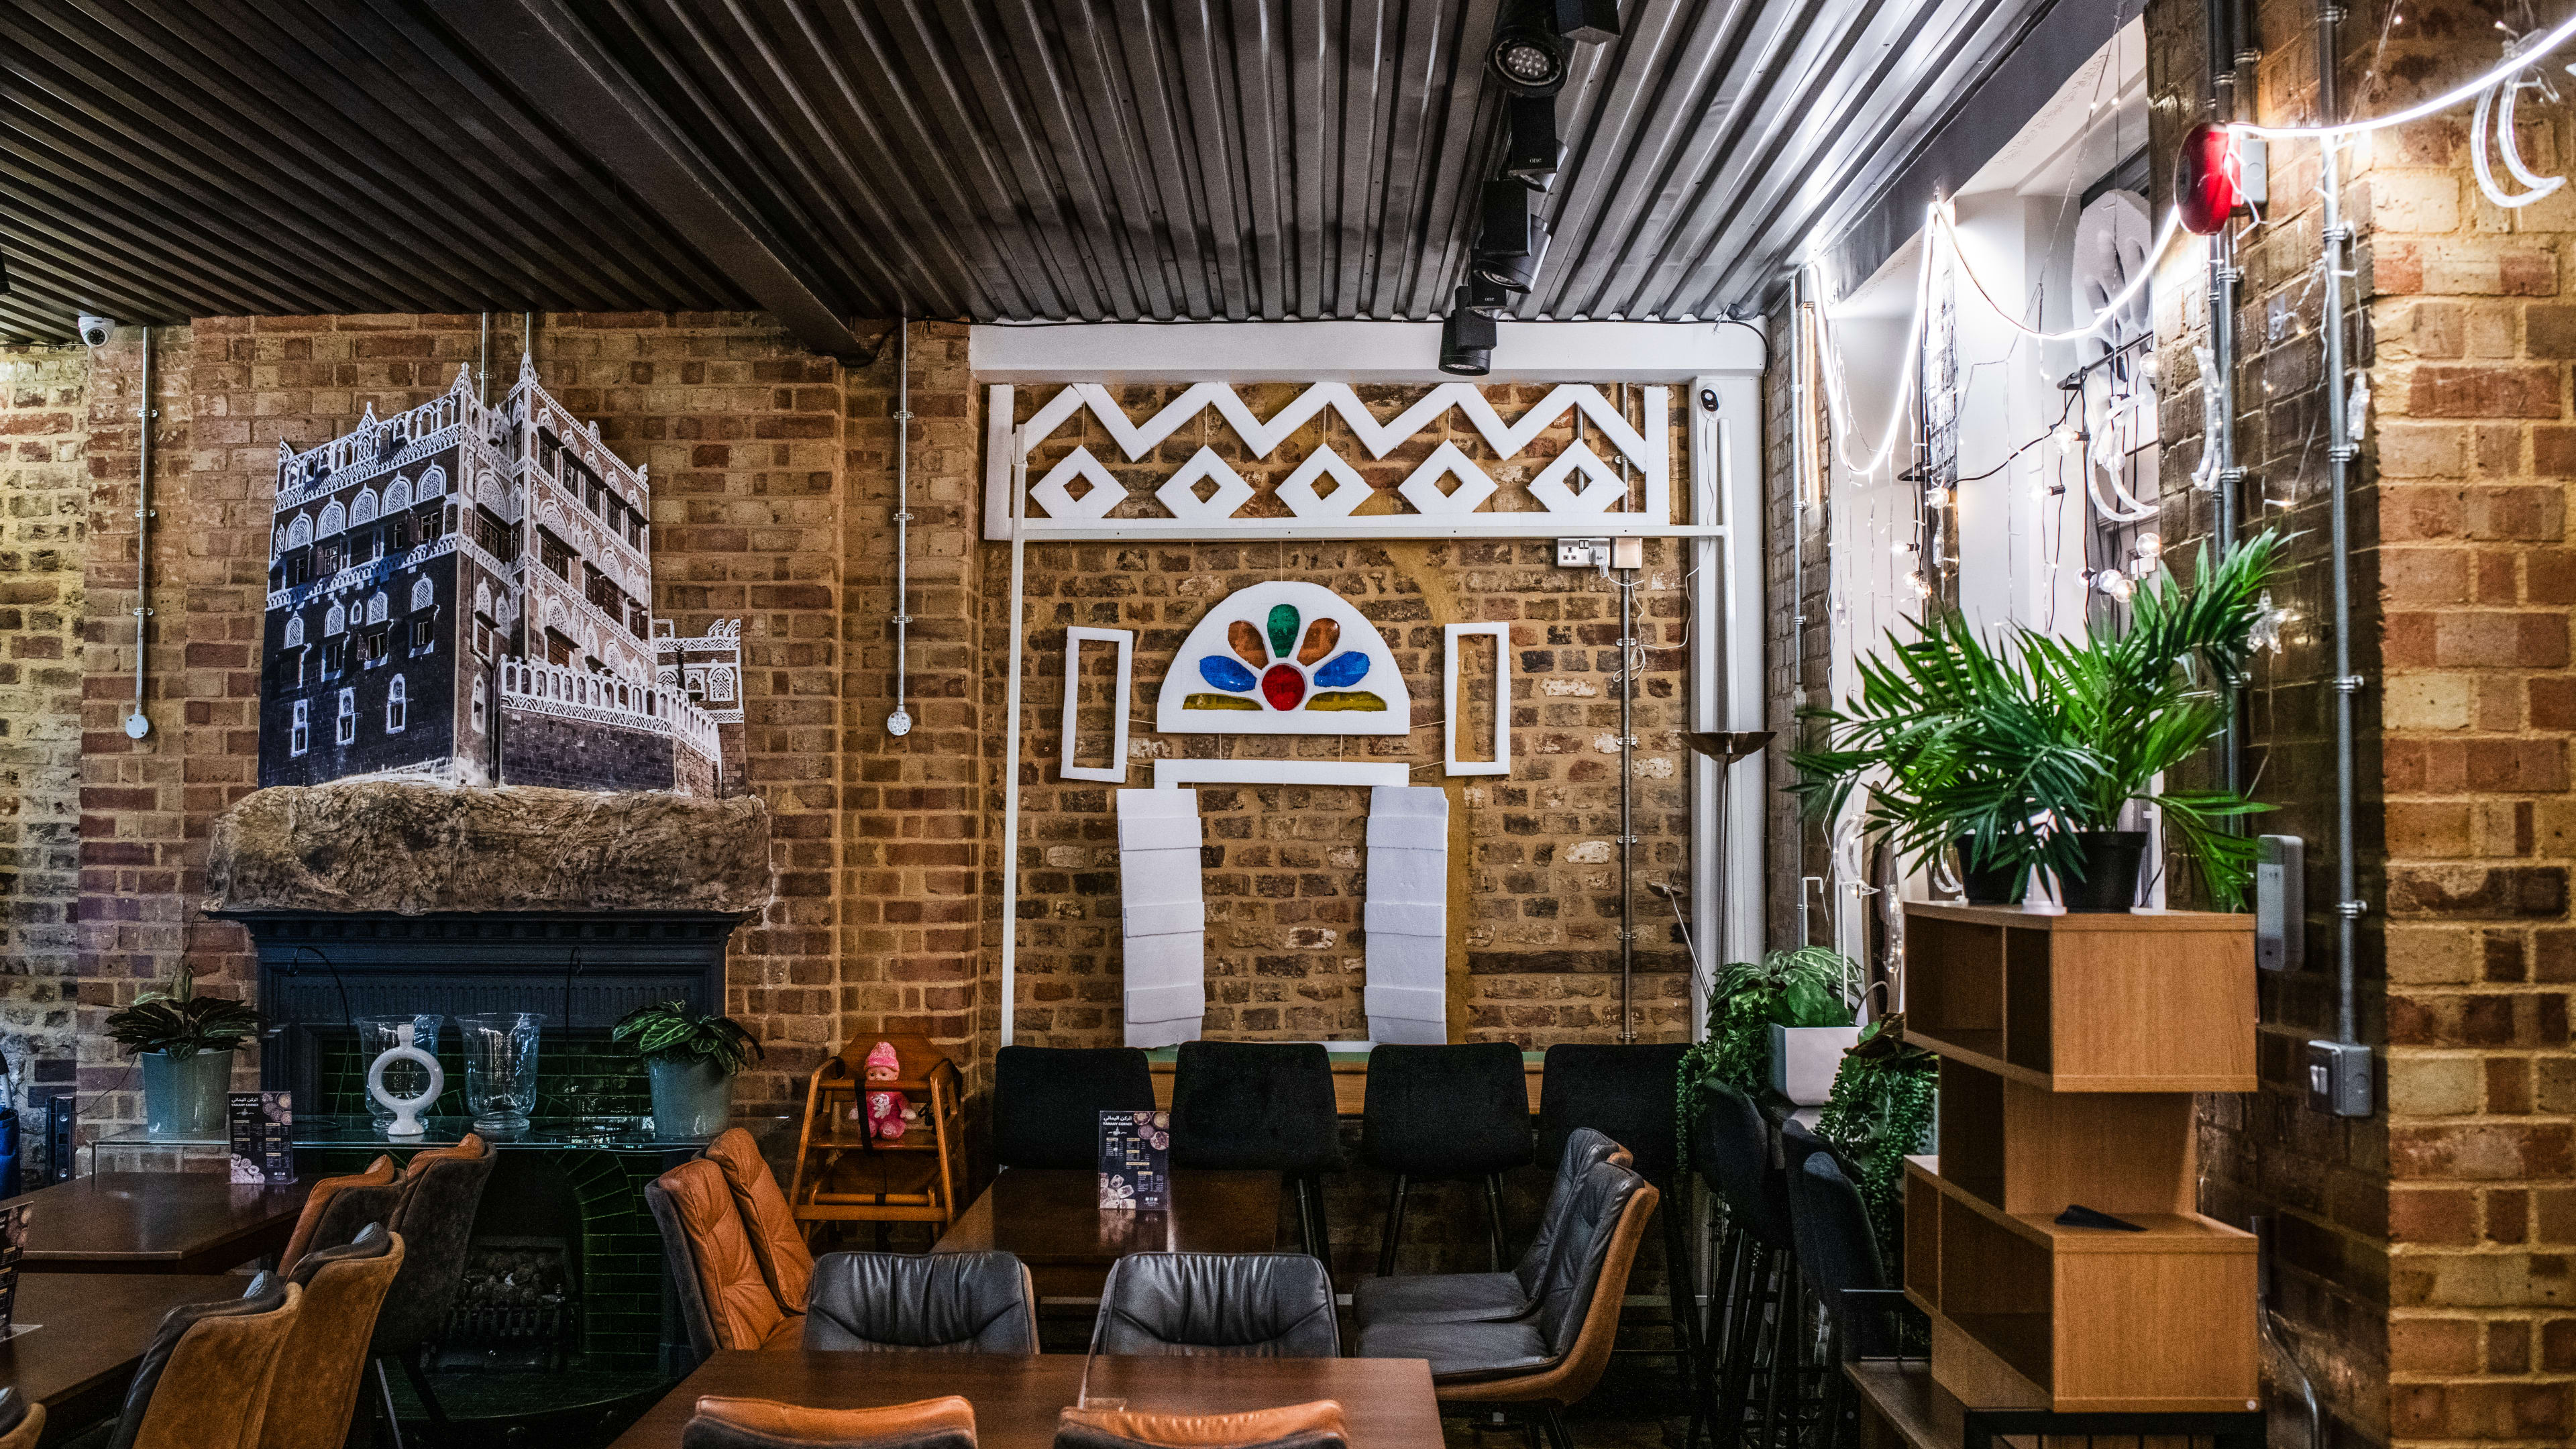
<point>378,897</point>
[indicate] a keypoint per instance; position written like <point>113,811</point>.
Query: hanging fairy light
<point>1938,496</point>
<point>1917,585</point>
<point>2117,585</point>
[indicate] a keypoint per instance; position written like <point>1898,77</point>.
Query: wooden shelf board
<point>1983,1050</point>
<point>2165,1232</point>
<point>2082,922</point>
<point>906,1143</point>
<point>1908,1402</point>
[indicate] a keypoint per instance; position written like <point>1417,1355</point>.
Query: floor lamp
<point>1727,748</point>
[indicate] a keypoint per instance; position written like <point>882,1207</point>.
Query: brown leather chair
<point>22,1422</point>
<point>337,1208</point>
<point>1553,1357</point>
<point>1297,1426</point>
<point>203,1383</point>
<point>947,1423</point>
<point>742,1271</point>
<point>315,1393</point>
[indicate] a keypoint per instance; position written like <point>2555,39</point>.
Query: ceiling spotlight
<point>1466,339</point>
<point>1513,238</point>
<point>1532,153</point>
<point>1587,22</point>
<point>1528,56</point>
<point>1486,296</point>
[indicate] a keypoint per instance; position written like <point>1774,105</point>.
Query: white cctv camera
<point>94,330</point>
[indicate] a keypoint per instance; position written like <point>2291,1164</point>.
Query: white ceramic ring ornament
<point>407,1110</point>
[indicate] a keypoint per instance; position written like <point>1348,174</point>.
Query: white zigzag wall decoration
<point>1447,491</point>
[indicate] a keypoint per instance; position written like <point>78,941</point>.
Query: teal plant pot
<point>691,1099</point>
<point>185,1099</point>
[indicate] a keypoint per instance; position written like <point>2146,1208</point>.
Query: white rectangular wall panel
<point>1163,915</point>
<point>1408,914</point>
<point>1074,639</point>
<point>1451,716</point>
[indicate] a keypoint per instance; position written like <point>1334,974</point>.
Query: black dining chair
<point>1261,1106</point>
<point>1731,1151</point>
<point>1263,1305</point>
<point>1627,1092</point>
<point>1047,1101</point>
<point>1445,1113</point>
<point>906,1302</point>
<point>1838,1256</point>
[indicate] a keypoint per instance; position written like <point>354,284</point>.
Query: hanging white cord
<point>2515,62</point>
<point>2102,315</point>
<point>1835,388</point>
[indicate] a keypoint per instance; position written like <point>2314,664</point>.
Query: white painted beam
<point>1354,352</point>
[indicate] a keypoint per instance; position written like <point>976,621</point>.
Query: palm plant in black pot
<point>2037,752</point>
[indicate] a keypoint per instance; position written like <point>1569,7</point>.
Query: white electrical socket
<point>1582,553</point>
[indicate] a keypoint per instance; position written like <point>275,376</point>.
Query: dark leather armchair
<point>203,1382</point>
<point>22,1422</point>
<point>942,1303</point>
<point>1490,1297</point>
<point>1266,1305</point>
<point>314,1395</point>
<point>1296,1426</point>
<point>719,1423</point>
<point>337,1208</point>
<point>441,1189</point>
<point>1554,1356</point>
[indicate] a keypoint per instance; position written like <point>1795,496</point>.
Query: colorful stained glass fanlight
<point>1285,663</point>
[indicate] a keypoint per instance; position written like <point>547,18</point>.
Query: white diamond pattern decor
<point>1578,491</point>
<point>1181,494</point>
<point>1053,491</point>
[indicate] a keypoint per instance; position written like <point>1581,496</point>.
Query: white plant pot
<point>1805,1058</point>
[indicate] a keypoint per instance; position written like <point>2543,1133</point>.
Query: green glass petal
<point>1348,699</point>
<point>1283,630</point>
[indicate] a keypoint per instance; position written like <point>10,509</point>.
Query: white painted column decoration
<point>1408,914</point>
<point>1163,915</point>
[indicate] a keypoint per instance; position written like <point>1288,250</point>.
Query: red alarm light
<point>2209,179</point>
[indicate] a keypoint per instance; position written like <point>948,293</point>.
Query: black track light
<point>1485,296</point>
<point>1466,339</point>
<point>1528,56</point>
<point>1587,22</point>
<point>1514,236</point>
<point>1531,152</point>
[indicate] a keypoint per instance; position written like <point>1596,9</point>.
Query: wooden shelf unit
<point>2071,1046</point>
<point>846,1175</point>
<point>2159,1001</point>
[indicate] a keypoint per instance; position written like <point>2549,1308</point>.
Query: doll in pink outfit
<point>886,1110</point>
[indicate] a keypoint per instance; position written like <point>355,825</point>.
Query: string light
<point>2515,62</point>
<point>2117,585</point>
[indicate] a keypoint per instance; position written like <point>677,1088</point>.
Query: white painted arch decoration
<point>1284,658</point>
<point>1579,491</point>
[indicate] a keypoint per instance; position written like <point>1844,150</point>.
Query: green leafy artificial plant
<point>2011,749</point>
<point>181,1022</point>
<point>1810,986</point>
<point>669,1031</point>
<point>1880,1112</point>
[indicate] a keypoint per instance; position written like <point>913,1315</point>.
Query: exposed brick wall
<point>44,519</point>
<point>1797,658</point>
<point>2322,1180</point>
<point>1535,951</point>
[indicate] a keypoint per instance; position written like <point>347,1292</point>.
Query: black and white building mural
<point>465,593</point>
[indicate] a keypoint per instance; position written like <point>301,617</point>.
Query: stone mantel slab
<point>411,848</point>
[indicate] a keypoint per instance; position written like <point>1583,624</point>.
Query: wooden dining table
<point>1052,1219</point>
<point>90,1330</point>
<point>155,1222</point>
<point>1386,1402</point>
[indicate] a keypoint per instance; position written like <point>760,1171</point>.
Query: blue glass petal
<point>1224,673</point>
<point>1342,669</point>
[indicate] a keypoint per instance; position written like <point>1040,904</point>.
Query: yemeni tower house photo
<point>463,593</point>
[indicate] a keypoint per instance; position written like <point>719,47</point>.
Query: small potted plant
<point>692,1057</point>
<point>1779,1024</point>
<point>185,1042</point>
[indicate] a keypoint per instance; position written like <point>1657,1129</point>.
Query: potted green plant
<point>185,1043</point>
<point>2036,753</point>
<point>1769,1023</point>
<point>692,1057</point>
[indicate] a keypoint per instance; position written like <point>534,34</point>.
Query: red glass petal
<point>1283,687</point>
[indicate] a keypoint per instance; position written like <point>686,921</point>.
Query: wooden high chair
<point>846,1175</point>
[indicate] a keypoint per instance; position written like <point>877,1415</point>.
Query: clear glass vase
<point>500,1068</point>
<point>402,1079</point>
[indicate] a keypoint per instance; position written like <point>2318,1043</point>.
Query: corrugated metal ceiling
<point>993,159</point>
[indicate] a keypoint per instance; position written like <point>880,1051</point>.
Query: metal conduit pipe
<point>2223,35</point>
<point>138,724</point>
<point>2340,451</point>
<point>1628,654</point>
<point>899,722</point>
